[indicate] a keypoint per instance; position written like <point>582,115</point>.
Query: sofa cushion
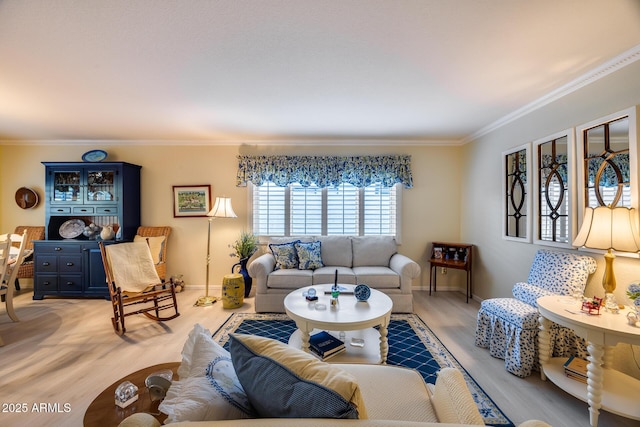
<point>377,277</point>
<point>309,255</point>
<point>513,311</point>
<point>373,250</point>
<point>291,278</point>
<point>393,392</point>
<point>327,274</point>
<point>285,382</point>
<point>336,251</point>
<point>208,388</point>
<point>285,254</point>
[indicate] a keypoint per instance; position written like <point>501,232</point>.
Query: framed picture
<point>437,252</point>
<point>191,200</point>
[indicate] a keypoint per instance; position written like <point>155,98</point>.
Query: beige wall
<point>431,210</point>
<point>502,263</point>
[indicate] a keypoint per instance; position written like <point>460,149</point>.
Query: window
<point>346,209</point>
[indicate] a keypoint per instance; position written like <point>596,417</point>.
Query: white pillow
<point>208,388</point>
<point>155,246</point>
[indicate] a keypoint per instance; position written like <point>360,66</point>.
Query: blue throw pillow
<point>285,382</point>
<point>285,254</point>
<point>309,255</point>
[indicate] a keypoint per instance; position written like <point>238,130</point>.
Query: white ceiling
<point>227,71</point>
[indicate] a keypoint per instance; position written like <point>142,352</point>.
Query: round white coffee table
<point>355,318</point>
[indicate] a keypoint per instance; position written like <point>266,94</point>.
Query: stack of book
<point>576,369</point>
<point>324,345</point>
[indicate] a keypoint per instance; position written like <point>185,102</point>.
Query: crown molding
<point>615,64</point>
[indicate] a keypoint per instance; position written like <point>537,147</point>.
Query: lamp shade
<point>609,228</point>
<point>222,208</point>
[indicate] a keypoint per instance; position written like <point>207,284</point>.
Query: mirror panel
<point>553,194</point>
<point>516,204</point>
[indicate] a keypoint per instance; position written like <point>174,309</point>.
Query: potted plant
<point>243,248</point>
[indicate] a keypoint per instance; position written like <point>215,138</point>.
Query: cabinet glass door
<point>66,186</point>
<point>101,186</point>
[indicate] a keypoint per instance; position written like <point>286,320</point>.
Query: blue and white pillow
<point>309,255</point>
<point>285,254</point>
<point>208,388</point>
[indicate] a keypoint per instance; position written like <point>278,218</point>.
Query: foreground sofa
<point>394,396</point>
<point>372,260</point>
<point>263,382</point>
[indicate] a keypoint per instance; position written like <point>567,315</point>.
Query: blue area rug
<point>411,344</point>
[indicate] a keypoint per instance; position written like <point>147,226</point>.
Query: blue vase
<point>245,274</point>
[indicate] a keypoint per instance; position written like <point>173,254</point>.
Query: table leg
<point>544,344</point>
<point>305,330</point>
<point>594,381</point>
<point>384,344</point>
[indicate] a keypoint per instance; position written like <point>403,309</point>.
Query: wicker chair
<point>33,233</point>
<point>161,264</point>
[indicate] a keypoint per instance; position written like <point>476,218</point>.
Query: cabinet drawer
<point>58,249</point>
<point>61,210</point>
<point>48,264</point>
<point>70,263</point>
<point>83,210</point>
<point>106,210</point>
<point>46,282</point>
<point>70,283</point>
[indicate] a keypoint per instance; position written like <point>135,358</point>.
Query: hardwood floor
<point>63,353</point>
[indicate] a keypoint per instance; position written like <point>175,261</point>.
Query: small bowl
<point>157,386</point>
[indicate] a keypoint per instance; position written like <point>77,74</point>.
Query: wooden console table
<point>103,412</point>
<point>458,256</point>
<point>608,389</point>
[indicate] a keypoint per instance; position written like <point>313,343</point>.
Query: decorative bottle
<point>335,292</point>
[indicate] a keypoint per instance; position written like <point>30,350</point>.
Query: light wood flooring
<point>64,352</point>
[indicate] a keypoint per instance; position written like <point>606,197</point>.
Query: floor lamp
<point>609,228</point>
<point>221,209</point>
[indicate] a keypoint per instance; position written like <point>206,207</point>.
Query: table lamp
<point>221,209</point>
<point>610,229</point>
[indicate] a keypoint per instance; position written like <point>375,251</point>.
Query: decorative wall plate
<point>71,229</point>
<point>26,198</point>
<point>362,292</point>
<point>94,156</point>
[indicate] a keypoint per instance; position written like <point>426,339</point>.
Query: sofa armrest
<point>452,399</point>
<point>406,268</point>
<point>534,423</point>
<point>140,419</point>
<point>260,268</point>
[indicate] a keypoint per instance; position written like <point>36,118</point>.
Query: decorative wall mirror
<point>516,204</point>
<point>608,149</point>
<point>553,194</point>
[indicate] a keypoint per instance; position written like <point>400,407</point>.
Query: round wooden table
<point>103,412</point>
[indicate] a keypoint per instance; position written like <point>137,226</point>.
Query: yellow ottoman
<point>232,290</point>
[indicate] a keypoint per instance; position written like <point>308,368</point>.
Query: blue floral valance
<point>325,171</point>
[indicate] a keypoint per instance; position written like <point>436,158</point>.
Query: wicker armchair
<point>161,260</point>
<point>33,233</point>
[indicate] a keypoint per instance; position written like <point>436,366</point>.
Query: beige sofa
<point>393,396</point>
<point>372,260</point>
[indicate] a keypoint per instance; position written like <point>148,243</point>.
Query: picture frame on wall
<point>191,200</point>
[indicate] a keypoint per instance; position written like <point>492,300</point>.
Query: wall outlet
<point>444,270</point>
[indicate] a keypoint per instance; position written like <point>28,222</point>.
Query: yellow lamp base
<point>205,301</point>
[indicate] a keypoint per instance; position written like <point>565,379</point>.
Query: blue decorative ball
<point>362,292</point>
